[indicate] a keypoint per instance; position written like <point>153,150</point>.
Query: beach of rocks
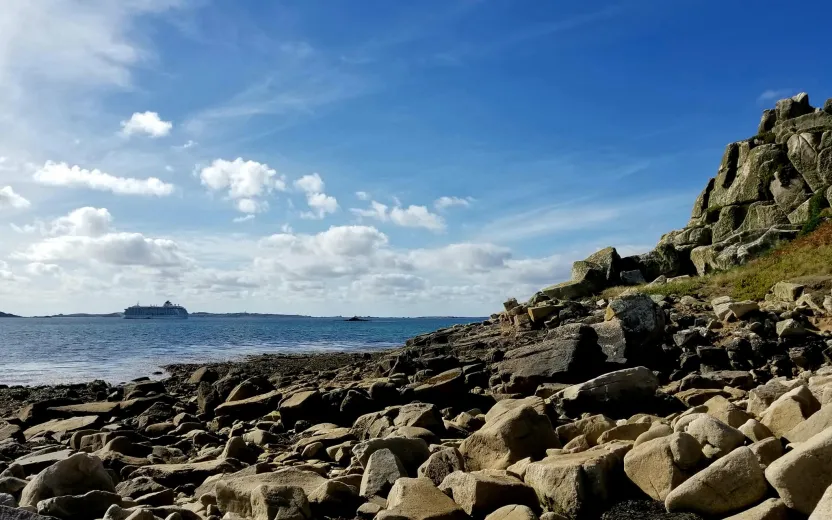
<point>650,407</point>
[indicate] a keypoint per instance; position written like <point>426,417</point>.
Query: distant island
<point>244,315</point>
<point>7,315</point>
<point>356,318</point>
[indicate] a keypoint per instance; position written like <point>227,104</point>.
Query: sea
<point>48,351</point>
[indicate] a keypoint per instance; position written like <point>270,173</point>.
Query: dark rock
<point>570,356</point>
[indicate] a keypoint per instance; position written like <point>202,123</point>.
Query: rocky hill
<point>768,189</point>
<point>689,398</point>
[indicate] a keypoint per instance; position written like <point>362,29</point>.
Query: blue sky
<point>547,130</point>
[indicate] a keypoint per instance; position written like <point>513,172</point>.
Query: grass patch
<point>806,257</point>
<point>816,206</point>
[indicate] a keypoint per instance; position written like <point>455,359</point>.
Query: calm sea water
<point>35,351</point>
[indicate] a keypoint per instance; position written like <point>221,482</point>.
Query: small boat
<point>167,311</point>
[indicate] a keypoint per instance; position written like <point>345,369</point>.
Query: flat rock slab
<point>98,408</point>
<point>34,463</point>
<point>61,425</point>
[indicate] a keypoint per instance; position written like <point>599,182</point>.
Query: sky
<point>365,157</point>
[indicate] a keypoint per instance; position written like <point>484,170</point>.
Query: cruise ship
<point>168,311</point>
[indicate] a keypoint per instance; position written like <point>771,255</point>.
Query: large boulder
<point>75,475</point>
<point>741,178</point>
<point>411,452</point>
<point>512,512</point>
<point>305,405</point>
<point>616,394</point>
<point>387,421</point>
<point>382,470</point>
<point>441,464</point>
<point>816,423</point>
<point>570,355</point>
<point>236,494</point>
<point>803,151</point>
<point>419,499</point>
<point>789,410</point>
<point>265,502</point>
<point>62,425</point>
<point>730,484</point>
<point>481,492</point>
<point>823,510</point>
<point>642,322</point>
<point>578,485</point>
<point>802,475</point>
<point>716,438</point>
<point>91,504</point>
<point>514,435</point>
<point>660,465</point>
<point>251,408</point>
<point>173,475</point>
<point>771,509</point>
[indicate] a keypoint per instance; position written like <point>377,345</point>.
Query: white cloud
<point>463,257</point>
<point>377,211</point>
<point>121,249</point>
<point>412,216</point>
<point>362,195</point>
<point>242,178</point>
<point>61,174</point>
<point>10,199</point>
<point>244,218</point>
<point>319,202</point>
<point>447,202</point>
<point>310,183</point>
<point>83,222</point>
<point>146,123</point>
<point>188,144</point>
<point>321,205</point>
<point>41,269</point>
<point>774,95</point>
<point>417,216</point>
<point>252,206</point>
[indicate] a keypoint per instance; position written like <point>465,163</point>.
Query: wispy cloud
<point>774,95</point>
<point>576,216</point>
<point>303,82</point>
<point>533,32</point>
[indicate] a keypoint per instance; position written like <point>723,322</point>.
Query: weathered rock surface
<point>516,434</point>
<point>419,499</point>
<point>76,475</point>
<point>730,484</point>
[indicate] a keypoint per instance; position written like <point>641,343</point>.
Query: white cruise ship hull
<point>156,317</point>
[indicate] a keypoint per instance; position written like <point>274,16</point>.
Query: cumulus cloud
<point>41,269</point>
<point>417,217</point>
<point>337,252</point>
<point>10,199</point>
<point>148,123</point>
<point>446,202</point>
<point>244,180</point>
<point>320,204</point>
<point>83,222</point>
<point>362,195</point>
<point>244,218</point>
<point>252,206</point>
<point>310,183</point>
<point>412,216</point>
<point>61,174</point>
<point>463,258</point>
<point>121,249</point>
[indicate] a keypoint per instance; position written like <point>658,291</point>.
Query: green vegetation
<point>806,259</point>
<point>816,206</point>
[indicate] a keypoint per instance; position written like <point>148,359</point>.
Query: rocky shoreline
<point>568,406</point>
<point>640,407</point>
